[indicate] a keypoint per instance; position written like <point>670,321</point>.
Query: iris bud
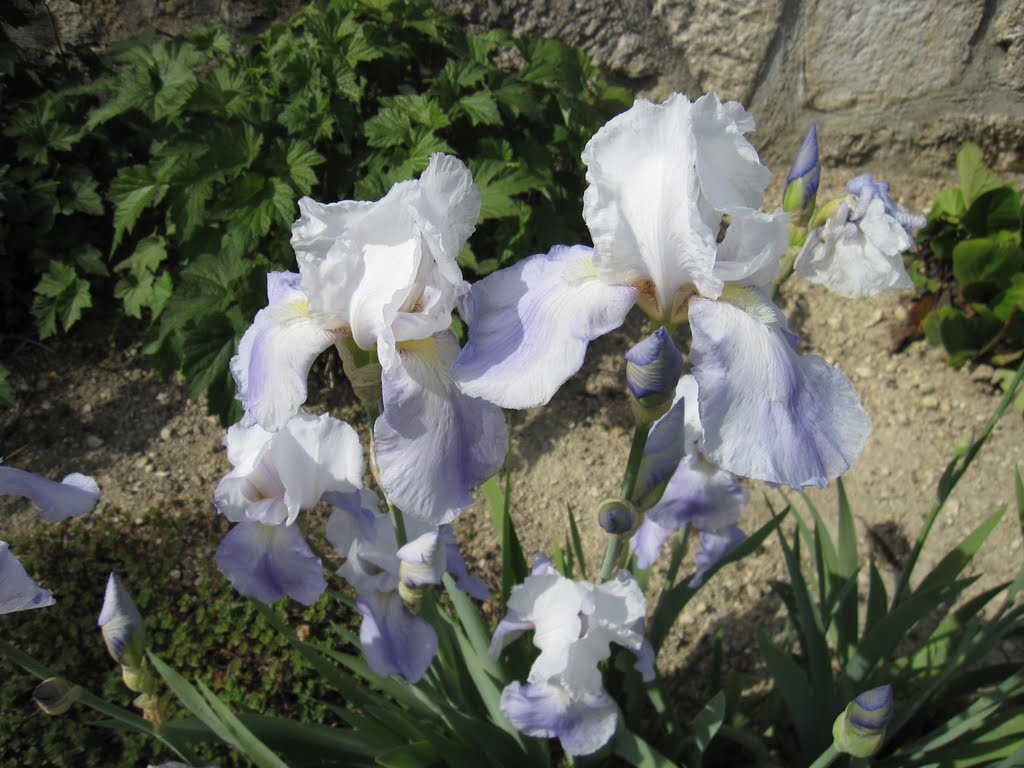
<point>55,695</point>
<point>618,517</point>
<point>653,367</point>
<point>860,730</point>
<point>802,182</point>
<point>124,632</point>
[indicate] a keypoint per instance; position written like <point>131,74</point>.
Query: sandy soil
<point>105,412</point>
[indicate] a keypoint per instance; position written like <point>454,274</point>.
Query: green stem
<point>617,544</point>
<point>827,757</point>
<point>949,480</point>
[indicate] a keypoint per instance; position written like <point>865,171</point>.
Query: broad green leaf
<point>638,752</point>
<point>975,177</point>
<point>177,83</point>
<point>949,204</point>
<point>705,725</point>
<point>60,298</point>
<point>997,209</point>
<point>90,261</point>
<point>985,266</point>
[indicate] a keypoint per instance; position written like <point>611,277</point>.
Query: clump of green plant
<point>192,612</point>
<point>971,267</point>
<point>160,178</point>
<point>937,643</point>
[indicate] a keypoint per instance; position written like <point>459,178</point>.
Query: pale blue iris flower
<point>382,276</point>
<point>666,180</point>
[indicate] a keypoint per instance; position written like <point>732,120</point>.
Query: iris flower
<point>394,638</point>
<point>275,475</point>
<point>689,489</point>
<point>859,249</point>
<point>573,624</point>
<point>381,278</point>
<point>672,208</point>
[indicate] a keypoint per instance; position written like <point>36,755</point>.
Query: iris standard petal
<point>75,495</point>
<point>530,325</point>
<point>643,205</point>
<point>395,641</point>
<point>430,429</point>
<point>268,562</point>
<point>583,725</point>
<point>17,590</point>
<point>276,353</point>
<point>767,412</point>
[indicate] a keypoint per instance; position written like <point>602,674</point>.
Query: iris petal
<point>530,325</point>
<point>767,412</point>
<point>268,562</point>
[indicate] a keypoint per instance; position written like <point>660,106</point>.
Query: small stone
<point>165,434</point>
<point>140,462</point>
<point>833,323</point>
<point>982,373</point>
<point>93,442</point>
<point>876,318</point>
<point>86,409</point>
<point>930,402</point>
<point>162,397</point>
<point>864,371</point>
<point>174,573</point>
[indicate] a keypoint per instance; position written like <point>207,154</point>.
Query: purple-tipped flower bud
<point>804,177</point>
<point>618,517</point>
<point>124,632</point>
<point>653,367</point>
<point>55,695</point>
<point>860,730</point>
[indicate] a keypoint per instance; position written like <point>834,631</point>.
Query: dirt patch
<point>105,412</point>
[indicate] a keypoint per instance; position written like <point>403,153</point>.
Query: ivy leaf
<point>975,177</point>
<point>132,191</point>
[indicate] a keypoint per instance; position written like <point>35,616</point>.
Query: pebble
<point>983,373</point>
<point>165,434</point>
<point>86,409</point>
<point>92,441</point>
<point>864,371</point>
<point>931,402</point>
<point>162,397</point>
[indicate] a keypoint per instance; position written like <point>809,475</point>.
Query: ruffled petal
<point>530,325</point>
<point>75,495</point>
<point>643,203</point>
<point>583,725</point>
<point>429,430</point>
<point>767,412</point>
<point>17,590</point>
<point>268,562</point>
<point>276,353</point>
<point>730,173</point>
<point>700,494</point>
<point>395,641</point>
<point>647,542</point>
<point>753,245</point>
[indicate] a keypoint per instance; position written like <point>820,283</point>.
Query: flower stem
<point>827,757</point>
<point>616,545</point>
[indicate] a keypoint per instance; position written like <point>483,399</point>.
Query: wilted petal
<point>582,725</point>
<point>714,545</point>
<point>857,259</point>
<point>268,562</point>
<point>276,353</point>
<point>530,325</point>
<point>433,443</point>
<point>122,626</point>
<point>647,542</point>
<point>75,495</point>
<point>395,641</point>
<point>767,412</point>
<point>17,590</point>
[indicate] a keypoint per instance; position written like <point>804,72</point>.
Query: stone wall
<point>900,82</point>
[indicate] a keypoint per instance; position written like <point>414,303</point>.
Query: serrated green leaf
<point>481,108</point>
<point>208,349</point>
<point>132,191</point>
<point>90,261</point>
<point>302,159</point>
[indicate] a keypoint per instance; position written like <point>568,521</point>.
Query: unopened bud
<point>653,367</point>
<point>802,182</point>
<point>618,517</point>
<point>860,730</point>
<point>124,632</point>
<point>56,695</point>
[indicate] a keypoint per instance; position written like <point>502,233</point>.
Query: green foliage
<point>957,702</point>
<point>972,261</point>
<point>162,183</point>
<point>195,621</point>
